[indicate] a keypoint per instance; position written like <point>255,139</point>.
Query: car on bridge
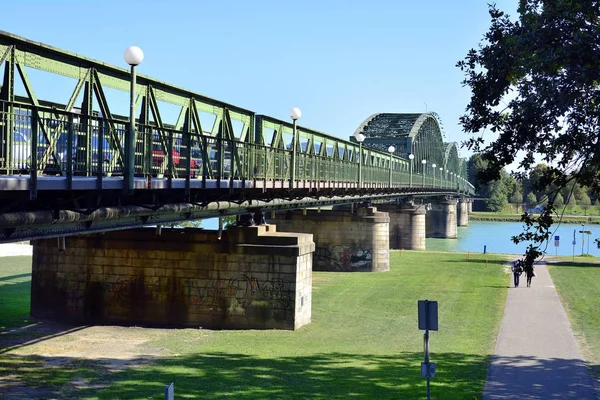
<point>160,159</point>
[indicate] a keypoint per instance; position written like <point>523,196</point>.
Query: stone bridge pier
<point>344,240</point>
<point>441,220</point>
<point>407,225</point>
<point>250,278</point>
<point>462,211</point>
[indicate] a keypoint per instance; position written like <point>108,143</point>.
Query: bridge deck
<point>23,183</point>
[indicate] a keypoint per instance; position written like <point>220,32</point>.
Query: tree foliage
<point>531,199</point>
<point>516,197</point>
<point>534,84</point>
<point>559,201</point>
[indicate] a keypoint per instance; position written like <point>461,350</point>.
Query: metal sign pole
<point>426,350</point>
<point>574,243</point>
<point>428,320</point>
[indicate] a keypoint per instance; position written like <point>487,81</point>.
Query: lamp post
<point>433,166</point>
<point>133,56</point>
<point>360,138</point>
<point>442,176</point>
<point>424,162</point>
<point>391,149</point>
<point>295,114</point>
<point>411,157</point>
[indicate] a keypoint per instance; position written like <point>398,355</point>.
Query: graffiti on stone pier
<point>244,291</point>
<point>121,288</point>
<point>354,258</point>
<point>114,288</point>
<point>232,296</point>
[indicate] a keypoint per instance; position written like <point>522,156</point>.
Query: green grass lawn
<point>363,341</point>
<point>506,216</point>
<point>578,285</point>
<point>15,279</point>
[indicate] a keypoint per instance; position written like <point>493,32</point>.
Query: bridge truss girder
<point>181,136</point>
<point>417,134</point>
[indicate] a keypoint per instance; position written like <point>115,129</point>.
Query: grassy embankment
<point>578,285</point>
<point>512,217</point>
<point>363,340</point>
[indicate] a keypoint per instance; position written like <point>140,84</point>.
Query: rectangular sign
<point>428,370</point>
<point>428,315</point>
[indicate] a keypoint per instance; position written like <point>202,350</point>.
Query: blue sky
<point>339,61</point>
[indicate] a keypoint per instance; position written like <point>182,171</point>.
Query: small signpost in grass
<point>428,320</point>
<point>170,391</point>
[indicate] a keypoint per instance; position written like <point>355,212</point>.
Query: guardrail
<point>52,142</point>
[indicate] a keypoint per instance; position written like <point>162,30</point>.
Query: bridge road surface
<point>536,354</point>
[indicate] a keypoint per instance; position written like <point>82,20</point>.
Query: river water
<point>496,237</point>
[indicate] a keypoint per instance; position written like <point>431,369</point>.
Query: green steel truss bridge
<point>65,169</point>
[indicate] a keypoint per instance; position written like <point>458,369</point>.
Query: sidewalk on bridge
<point>536,354</point>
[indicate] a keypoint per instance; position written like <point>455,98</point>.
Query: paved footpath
<point>536,355</point>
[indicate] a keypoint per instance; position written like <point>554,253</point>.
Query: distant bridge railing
<point>48,141</point>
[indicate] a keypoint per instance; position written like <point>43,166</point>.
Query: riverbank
<point>363,339</point>
<point>506,217</point>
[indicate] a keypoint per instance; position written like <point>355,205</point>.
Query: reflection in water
<point>496,236</point>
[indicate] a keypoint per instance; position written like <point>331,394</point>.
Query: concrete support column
<point>470,206</point>
<point>407,225</point>
<point>344,241</point>
<point>253,278</point>
<point>441,219</point>
<point>463,212</point>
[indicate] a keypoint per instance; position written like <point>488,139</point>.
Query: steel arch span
<point>451,160</point>
<point>411,133</point>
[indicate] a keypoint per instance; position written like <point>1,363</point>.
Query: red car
<point>159,156</point>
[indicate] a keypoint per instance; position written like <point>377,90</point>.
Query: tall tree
<point>516,198</point>
<point>534,83</point>
<point>559,201</point>
<point>531,199</point>
<point>585,202</point>
<point>497,196</point>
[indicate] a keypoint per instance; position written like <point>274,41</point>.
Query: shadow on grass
<point>17,328</point>
<point>320,376</point>
<point>34,332</point>
<point>239,376</point>
<point>480,261</point>
<point>11,277</point>
<point>534,378</point>
<point>559,264</point>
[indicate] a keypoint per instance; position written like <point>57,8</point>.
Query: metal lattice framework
<point>66,150</point>
<point>417,134</point>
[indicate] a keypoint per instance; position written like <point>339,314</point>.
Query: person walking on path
<point>529,273</point>
<point>536,355</point>
<point>517,271</point>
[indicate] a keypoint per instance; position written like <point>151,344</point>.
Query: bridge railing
<point>55,142</point>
